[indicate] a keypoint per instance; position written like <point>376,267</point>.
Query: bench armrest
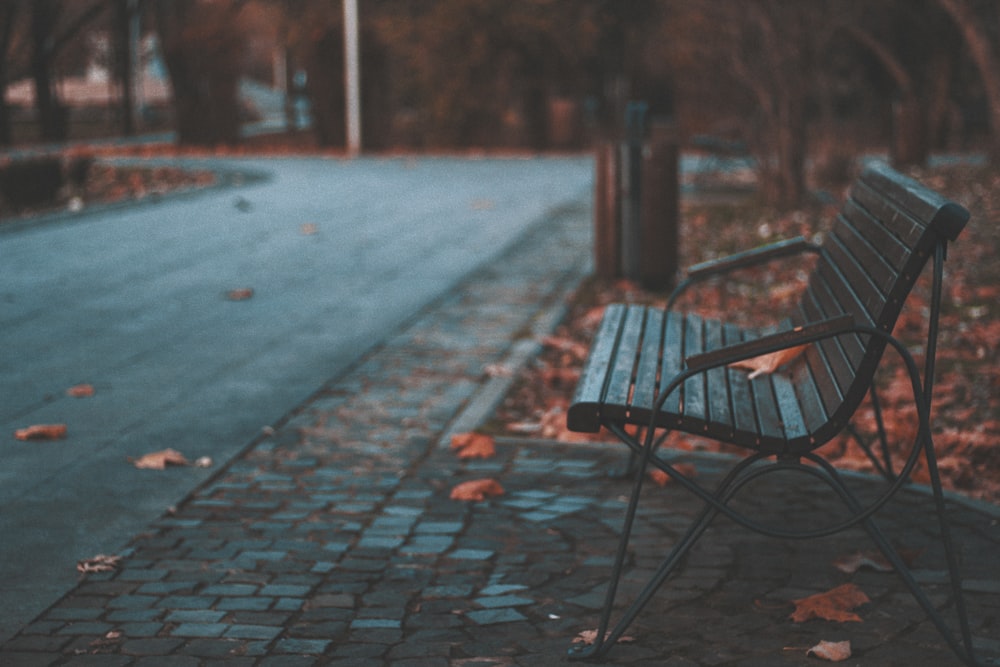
<point>747,258</point>
<point>741,260</point>
<point>800,335</point>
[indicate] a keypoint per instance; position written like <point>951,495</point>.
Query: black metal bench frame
<point>659,371</point>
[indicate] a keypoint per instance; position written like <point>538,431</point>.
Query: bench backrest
<point>887,230</point>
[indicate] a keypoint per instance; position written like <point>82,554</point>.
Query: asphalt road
<point>133,300</point>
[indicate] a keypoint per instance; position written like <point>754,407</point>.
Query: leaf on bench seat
<point>477,490</point>
<point>768,363</point>
<point>473,445</point>
<point>833,605</point>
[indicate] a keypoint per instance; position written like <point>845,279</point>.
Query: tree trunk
<point>909,145</point>
<point>123,64</point>
<point>201,48</point>
<point>51,114</point>
<point>977,37</point>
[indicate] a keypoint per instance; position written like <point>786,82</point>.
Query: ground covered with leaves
<point>966,421</point>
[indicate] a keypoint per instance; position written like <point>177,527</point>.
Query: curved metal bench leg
<point>962,647</point>
<point>604,639</point>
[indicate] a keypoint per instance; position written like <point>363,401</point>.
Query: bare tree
<point>980,24</point>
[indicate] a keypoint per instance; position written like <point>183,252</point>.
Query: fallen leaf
<point>851,563</point>
<point>662,479</point>
<point>41,432</point>
<point>768,363</point>
<point>241,294</point>
<point>575,348</point>
<point>832,651</point>
<point>473,445</point>
<point>308,229</point>
<point>477,490</point>
<point>80,391</point>
<point>497,371</point>
<point>160,460</point>
<point>588,637</point>
<point>99,563</point>
<point>833,605</point>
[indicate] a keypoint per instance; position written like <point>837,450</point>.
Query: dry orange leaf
<point>80,391</point>
<point>473,445</point>
<point>832,651</point>
<point>662,479</point>
<point>41,432</point>
<point>160,460</point>
<point>833,605</point>
<point>477,490</point>
<point>588,637</point>
<point>241,294</point>
<point>768,363</point>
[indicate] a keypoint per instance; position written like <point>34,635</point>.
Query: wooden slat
<point>719,414</point>
<point>585,410</point>
<point>673,358</point>
<point>649,359</point>
<point>765,408</point>
<point>862,289</point>
<point>921,203</point>
<point>907,229</point>
<point>695,400</point>
<point>788,407</point>
<point>744,416</point>
<point>895,252</point>
<point>869,258</point>
<point>619,386</point>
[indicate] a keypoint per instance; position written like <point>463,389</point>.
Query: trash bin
<point>636,203</point>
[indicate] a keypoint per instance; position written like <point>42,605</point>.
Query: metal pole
<point>352,77</point>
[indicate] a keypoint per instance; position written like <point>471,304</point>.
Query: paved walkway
<point>333,541</point>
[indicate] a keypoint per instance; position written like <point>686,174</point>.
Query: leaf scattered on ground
<point>851,563</point>
<point>473,445</point>
<point>240,294</point>
<point>588,637</point>
<point>41,432</point>
<point>831,651</point>
<point>99,563</point>
<point>477,490</point>
<point>836,604</point>
<point>80,391</point>
<point>160,460</point>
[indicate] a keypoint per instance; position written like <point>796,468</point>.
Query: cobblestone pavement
<point>332,540</point>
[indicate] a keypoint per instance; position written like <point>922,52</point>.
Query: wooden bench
<point>652,371</point>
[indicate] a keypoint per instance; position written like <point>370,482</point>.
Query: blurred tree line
<point>793,81</point>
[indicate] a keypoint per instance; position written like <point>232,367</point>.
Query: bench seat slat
<point>720,418</point>
<point>695,399</point>
<point>619,385</point>
<point>744,418</point>
<point>584,412</point>
<point>647,377</point>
